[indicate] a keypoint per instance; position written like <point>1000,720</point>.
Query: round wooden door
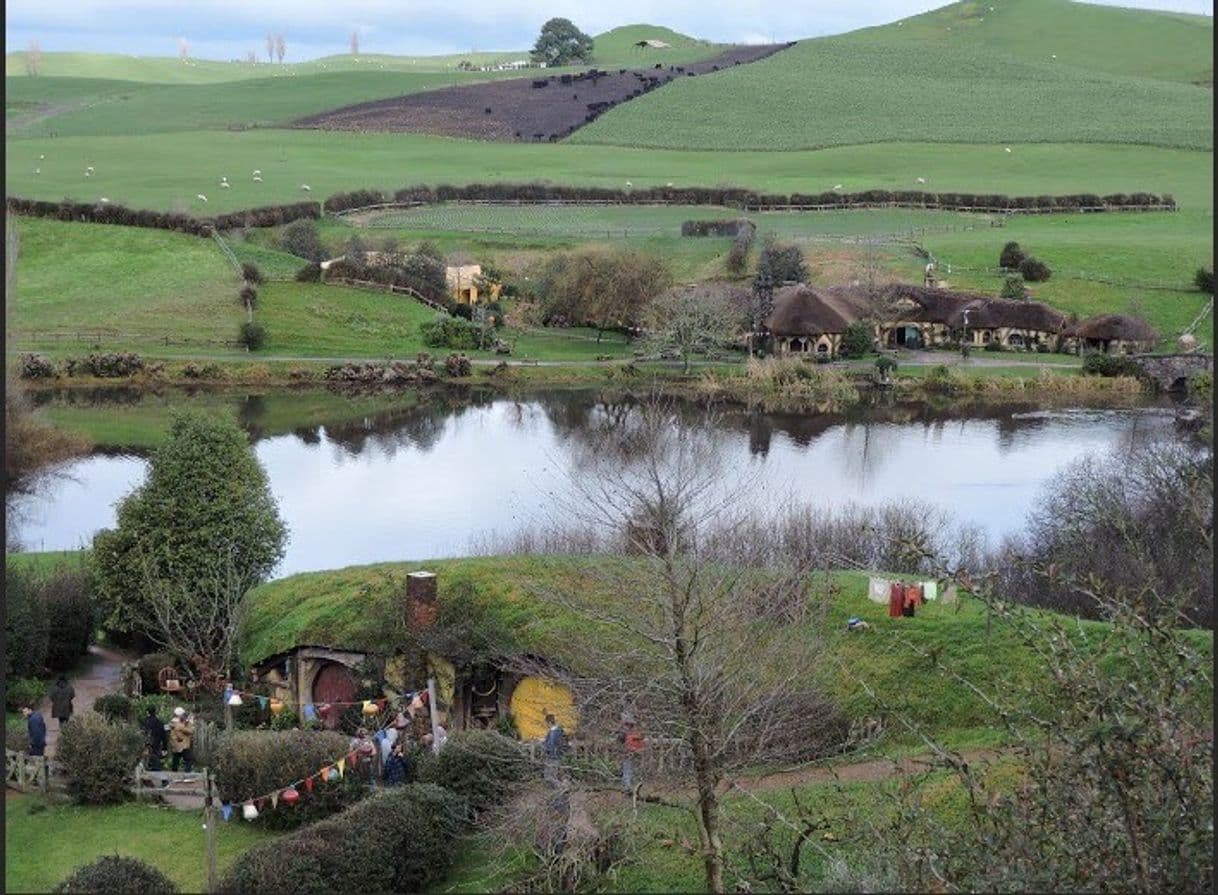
<point>333,684</point>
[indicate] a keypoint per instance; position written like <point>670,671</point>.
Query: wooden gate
<point>333,684</point>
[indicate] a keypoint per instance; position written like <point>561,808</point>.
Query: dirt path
<point>873,771</point>
<point>100,674</point>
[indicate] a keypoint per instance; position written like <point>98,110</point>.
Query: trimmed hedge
<point>400,840</point>
<point>109,213</point>
<point>118,874</point>
<point>450,332</point>
<point>481,766</point>
<point>250,763</point>
<point>99,757</point>
<point>1109,365</point>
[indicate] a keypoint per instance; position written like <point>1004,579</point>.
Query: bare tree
<point>33,58</point>
<point>713,661</point>
<point>691,321</point>
<point>280,47</point>
<point>252,57</point>
<point>183,49</point>
<point>270,47</point>
<point>354,42</point>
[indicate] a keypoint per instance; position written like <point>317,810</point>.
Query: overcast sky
<point>227,29</point>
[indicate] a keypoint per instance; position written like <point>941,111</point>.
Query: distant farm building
<point>463,280</point>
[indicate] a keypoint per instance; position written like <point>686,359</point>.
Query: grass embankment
<point>43,844</point>
<point>881,84</point>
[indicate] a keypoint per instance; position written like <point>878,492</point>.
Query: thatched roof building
<point>997,313</point>
<point>801,310</point>
<point>1113,327</point>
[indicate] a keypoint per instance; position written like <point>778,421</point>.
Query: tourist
<point>363,753</point>
<point>154,738</point>
<point>61,701</point>
<point>181,738</point>
<point>396,766</point>
<point>37,728</point>
<point>633,744</point>
<point>554,745</point>
<point>441,736</point>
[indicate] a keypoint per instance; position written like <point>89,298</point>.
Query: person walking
<point>553,746</point>
<point>181,738</point>
<point>61,701</point>
<point>36,726</point>
<point>633,743</point>
<point>154,738</point>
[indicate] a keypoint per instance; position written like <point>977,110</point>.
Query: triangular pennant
<point>226,811</point>
<point>381,703</point>
<point>263,701</point>
<point>275,799</point>
<point>308,784</point>
<point>342,766</point>
<point>310,712</point>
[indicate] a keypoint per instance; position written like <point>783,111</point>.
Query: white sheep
<point>89,169</point>
<point>42,157</point>
<point>921,180</point>
<point>257,180</point>
<point>670,183</point>
<point>201,197</point>
<point>88,174</point>
<point>1006,148</point>
<point>37,170</point>
<point>837,186</point>
<point>257,172</point>
<point>629,184</point>
<point>225,185</point>
<point>306,188</point>
<point>103,200</point>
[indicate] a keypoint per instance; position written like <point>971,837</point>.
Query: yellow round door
<point>533,699</point>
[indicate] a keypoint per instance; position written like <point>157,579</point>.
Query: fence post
<point>209,823</point>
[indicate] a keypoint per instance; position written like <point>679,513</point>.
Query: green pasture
<point>1153,44</point>
<point>43,844</point>
<point>166,171</point>
<point>884,91</point>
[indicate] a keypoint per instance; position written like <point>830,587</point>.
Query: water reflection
<point>368,480</point>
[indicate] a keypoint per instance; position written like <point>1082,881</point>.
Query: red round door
<point>333,684</point>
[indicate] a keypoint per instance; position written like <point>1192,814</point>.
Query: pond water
<point>432,479</point>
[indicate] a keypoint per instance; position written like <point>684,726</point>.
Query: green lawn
<point>168,170</point>
<point>43,846</point>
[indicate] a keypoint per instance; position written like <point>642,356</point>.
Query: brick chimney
<point>421,605</point>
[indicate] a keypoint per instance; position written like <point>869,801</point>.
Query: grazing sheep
<point>201,197</point>
<point>257,172</point>
<point>837,186</point>
<point>670,183</point>
<point>921,180</point>
<point>37,170</point>
<point>88,174</point>
<point>257,180</point>
<point>89,169</point>
<point>42,157</point>
<point>1007,148</point>
<point>306,188</point>
<point>629,184</point>
<point>103,200</point>
<point>225,185</point>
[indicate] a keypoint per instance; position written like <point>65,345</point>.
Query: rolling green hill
<point>616,48</point>
<point>842,91</point>
<point>1142,43</point>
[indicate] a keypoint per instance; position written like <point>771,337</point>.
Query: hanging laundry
<point>896,600</point>
<point>877,590</point>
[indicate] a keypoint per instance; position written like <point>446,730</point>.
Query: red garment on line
<point>896,600</point>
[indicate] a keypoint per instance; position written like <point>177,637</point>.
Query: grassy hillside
<point>840,91</point>
<point>164,170</point>
<point>616,48</point>
<point>1143,43</point>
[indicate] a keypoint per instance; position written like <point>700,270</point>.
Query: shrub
<point>481,766</point>
<point>885,365</point>
<point>111,365</point>
<point>1203,279</point>
<point>115,707</point>
<point>310,273</point>
<point>1011,256</point>
<point>248,295</point>
<point>251,273</point>
<point>99,757</point>
<point>449,332</point>
<point>252,335</point>
<point>300,238</point>
<point>1012,288</point>
<point>457,366</point>
<point>1109,365</point>
<point>399,840</point>
<point>117,873</point>
<point>25,625</point>
<point>36,366</point>
<point>251,763</point>
<point>19,691</point>
<point>1034,270</point>
<point>856,340</point>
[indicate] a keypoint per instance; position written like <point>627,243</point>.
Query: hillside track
<point>536,109</point>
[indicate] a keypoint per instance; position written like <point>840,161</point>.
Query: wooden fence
<point>663,755</point>
<point>386,287</point>
<point>26,772</point>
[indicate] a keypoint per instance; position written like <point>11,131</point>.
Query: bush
<point>400,840</point>
<point>1012,288</point>
<point>36,366</point>
<point>1011,256</point>
<point>117,873</point>
<point>251,273</point>
<point>115,707</point>
<point>252,335</point>
<point>99,757</point>
<point>457,366</point>
<point>450,332</point>
<point>67,596</point>
<point>111,365</point>
<point>857,340</point>
<point>251,763</point>
<point>885,365</point>
<point>25,625</point>
<point>19,691</point>
<point>1203,279</point>
<point>300,238</point>
<point>248,295</point>
<point>1034,271</point>
<point>1109,365</point>
<point>481,766</point>
<point>310,273</point>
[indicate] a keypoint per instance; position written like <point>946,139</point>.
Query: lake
<point>361,483</point>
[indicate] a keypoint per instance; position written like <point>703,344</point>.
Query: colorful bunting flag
<point>263,701</point>
<point>226,811</point>
<point>275,799</point>
<point>342,766</point>
<point>310,712</point>
<point>309,784</point>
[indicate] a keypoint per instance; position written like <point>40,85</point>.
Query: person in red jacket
<point>633,743</point>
